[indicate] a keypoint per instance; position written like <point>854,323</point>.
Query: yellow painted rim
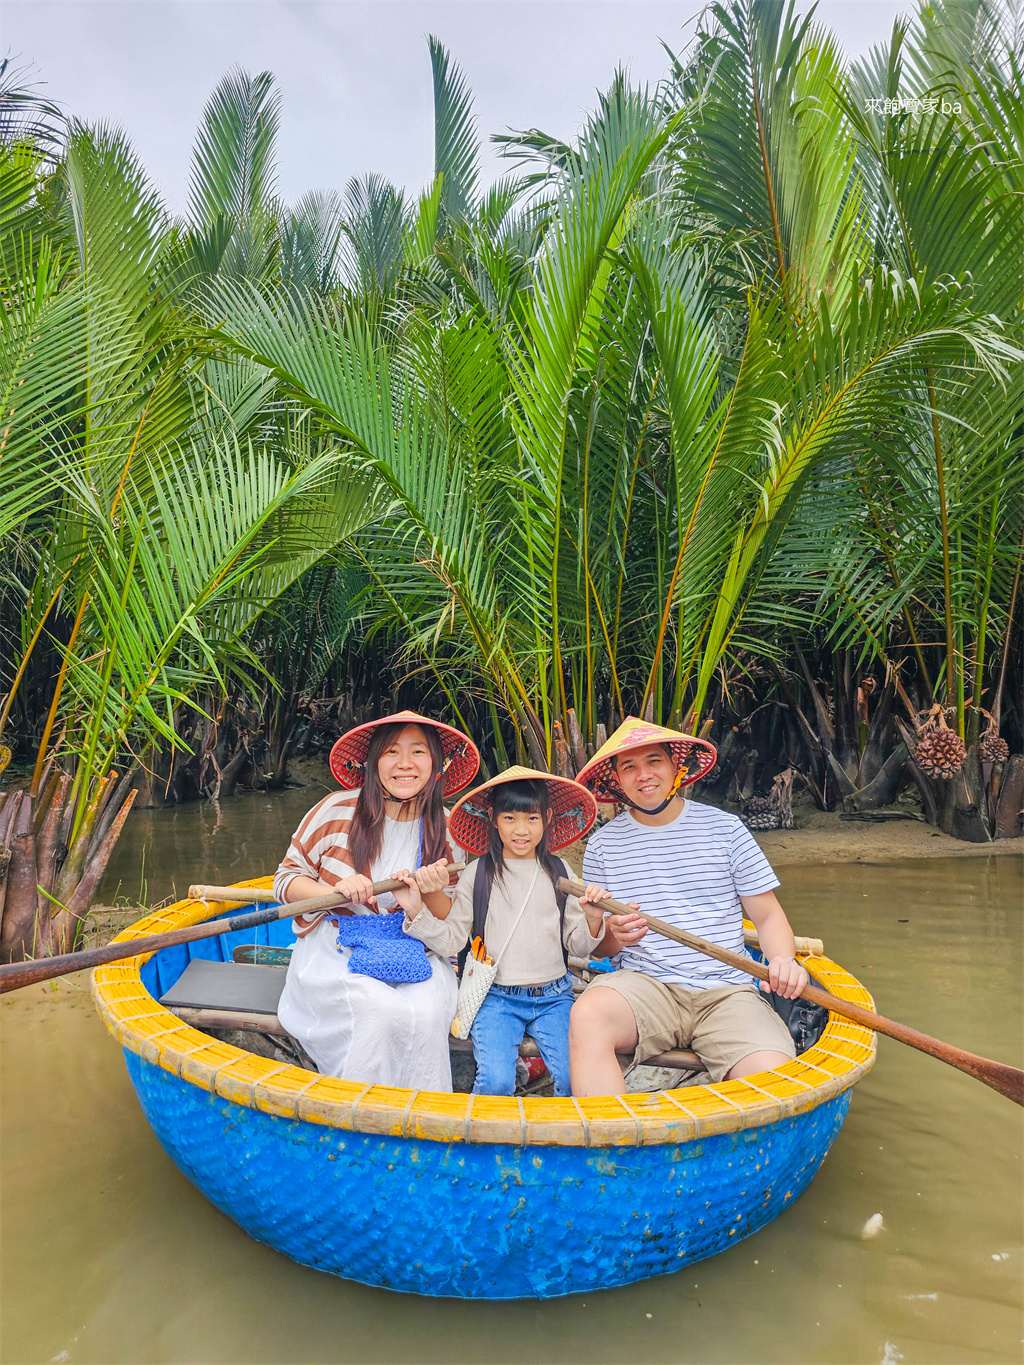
<point>837,1061</point>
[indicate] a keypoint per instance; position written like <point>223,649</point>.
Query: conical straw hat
<point>573,811</point>
<point>462,759</point>
<point>693,757</point>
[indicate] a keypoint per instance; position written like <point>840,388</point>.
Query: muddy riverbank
<point>825,837</point>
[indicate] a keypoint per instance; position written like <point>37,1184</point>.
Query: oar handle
<point>14,975</point>
<point>699,945</point>
<point>246,894</point>
<point>1008,1080</point>
<point>241,894</point>
<point>812,946</point>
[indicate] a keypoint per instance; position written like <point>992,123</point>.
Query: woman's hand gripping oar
<point>14,975</point>
<point>1008,1080</point>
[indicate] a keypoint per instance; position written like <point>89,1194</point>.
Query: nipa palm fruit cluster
<point>993,749</point>
<point>759,813</point>
<point>940,752</point>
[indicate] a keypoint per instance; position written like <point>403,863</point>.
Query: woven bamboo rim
<point>844,1053</point>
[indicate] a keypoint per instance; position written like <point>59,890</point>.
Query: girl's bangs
<point>527,797</point>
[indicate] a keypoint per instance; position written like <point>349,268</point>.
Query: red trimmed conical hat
<point>461,757</point>
<point>693,757</point>
<point>573,810</point>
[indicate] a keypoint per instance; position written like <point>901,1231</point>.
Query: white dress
<point>360,1029</point>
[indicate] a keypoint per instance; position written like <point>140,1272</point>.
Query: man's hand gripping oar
<point>1008,1080</point>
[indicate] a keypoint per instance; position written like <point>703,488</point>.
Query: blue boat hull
<point>473,1220</point>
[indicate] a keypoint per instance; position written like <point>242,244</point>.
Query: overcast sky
<point>355,78</point>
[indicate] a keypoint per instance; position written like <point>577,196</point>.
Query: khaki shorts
<point>722,1025</point>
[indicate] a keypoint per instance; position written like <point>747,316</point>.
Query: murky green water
<point>109,1255</point>
<point>163,852</point>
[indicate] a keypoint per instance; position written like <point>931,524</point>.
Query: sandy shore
<point>824,838</point>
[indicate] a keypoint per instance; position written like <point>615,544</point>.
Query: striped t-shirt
<point>690,873</point>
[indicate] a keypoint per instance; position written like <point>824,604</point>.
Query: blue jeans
<point>506,1014</point>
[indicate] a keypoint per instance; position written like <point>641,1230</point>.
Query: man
<point>696,867</point>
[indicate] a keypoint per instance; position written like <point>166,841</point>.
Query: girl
<point>391,818</point>
<point>508,897</point>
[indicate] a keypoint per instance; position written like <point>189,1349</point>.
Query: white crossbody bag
<point>478,977</point>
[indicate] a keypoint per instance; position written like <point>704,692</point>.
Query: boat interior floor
<point>236,1002</point>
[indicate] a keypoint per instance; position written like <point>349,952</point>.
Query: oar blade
<point>1008,1080</point>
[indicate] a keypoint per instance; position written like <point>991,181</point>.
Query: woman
<point>389,819</point>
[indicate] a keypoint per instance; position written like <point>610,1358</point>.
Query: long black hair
<point>367,833</point>
<point>529,796</point>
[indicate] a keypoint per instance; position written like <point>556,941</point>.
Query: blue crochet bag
<point>380,946</point>
<point>381,949</point>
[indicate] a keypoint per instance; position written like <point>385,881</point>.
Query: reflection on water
<point>109,1255</point>
<point>163,852</point>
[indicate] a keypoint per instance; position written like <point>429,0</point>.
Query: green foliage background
<point>738,369</point>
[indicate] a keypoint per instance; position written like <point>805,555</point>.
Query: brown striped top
<point>319,849</point>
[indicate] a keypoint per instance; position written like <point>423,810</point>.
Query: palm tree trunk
<point>18,933</point>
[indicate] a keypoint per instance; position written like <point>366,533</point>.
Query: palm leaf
<point>456,142</point>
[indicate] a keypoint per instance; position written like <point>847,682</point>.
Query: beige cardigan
<point>534,955</point>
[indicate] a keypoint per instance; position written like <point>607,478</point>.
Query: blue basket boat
<point>472,1196</point>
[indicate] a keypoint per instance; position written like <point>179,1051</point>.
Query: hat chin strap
<point>623,799</point>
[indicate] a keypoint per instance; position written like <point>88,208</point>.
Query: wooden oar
<point>814,946</point>
<point>1008,1080</point>
<point>244,895</point>
<point>14,975</point>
